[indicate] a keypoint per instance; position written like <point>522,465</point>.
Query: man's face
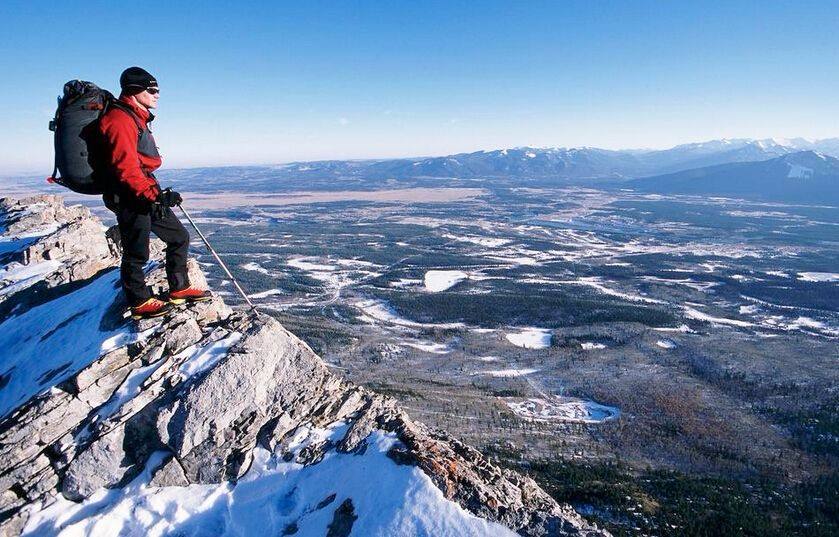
<point>147,98</point>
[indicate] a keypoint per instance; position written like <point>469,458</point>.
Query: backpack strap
<point>127,109</point>
<point>54,128</point>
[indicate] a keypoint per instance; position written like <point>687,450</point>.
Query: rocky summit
<point>208,421</point>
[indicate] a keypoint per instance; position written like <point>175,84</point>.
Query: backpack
<point>76,136</point>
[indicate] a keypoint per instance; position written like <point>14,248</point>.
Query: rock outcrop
<point>205,396</point>
<point>64,244</point>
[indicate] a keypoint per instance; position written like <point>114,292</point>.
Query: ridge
<point>103,422</point>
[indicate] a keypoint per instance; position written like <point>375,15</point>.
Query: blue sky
<point>269,82</point>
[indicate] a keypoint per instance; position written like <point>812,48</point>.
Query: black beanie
<point>135,80</point>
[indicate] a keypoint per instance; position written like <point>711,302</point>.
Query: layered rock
<point>207,396</point>
<point>55,244</point>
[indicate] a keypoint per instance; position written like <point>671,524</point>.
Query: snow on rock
<point>214,422</point>
<point>588,346</point>
<point>531,338</point>
<point>47,356</point>
<point>440,280</point>
<point>554,408</point>
<point>199,359</point>
<point>44,241</point>
<point>16,276</point>
<point>277,497</point>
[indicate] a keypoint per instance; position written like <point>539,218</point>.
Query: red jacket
<point>130,167</point>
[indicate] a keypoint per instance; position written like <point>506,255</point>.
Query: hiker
<point>141,206</point>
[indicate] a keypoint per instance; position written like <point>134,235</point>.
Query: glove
<point>169,198</point>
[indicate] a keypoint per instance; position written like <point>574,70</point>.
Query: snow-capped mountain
<point>561,164</point>
<point>800,176</point>
<point>207,421</point>
<point>522,162</point>
<point>701,154</point>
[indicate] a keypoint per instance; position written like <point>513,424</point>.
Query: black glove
<point>169,198</point>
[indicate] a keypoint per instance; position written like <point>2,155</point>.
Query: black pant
<point>136,220</point>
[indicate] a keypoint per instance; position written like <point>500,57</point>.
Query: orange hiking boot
<point>190,294</point>
<point>152,307</point>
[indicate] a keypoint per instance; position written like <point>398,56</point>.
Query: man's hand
<point>169,198</point>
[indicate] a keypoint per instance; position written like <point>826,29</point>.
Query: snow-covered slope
<point>208,421</point>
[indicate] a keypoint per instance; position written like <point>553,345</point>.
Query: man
<point>135,196</point>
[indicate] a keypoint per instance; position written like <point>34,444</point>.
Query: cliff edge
<point>208,421</point>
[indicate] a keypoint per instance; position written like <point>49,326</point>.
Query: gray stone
<point>105,365</point>
<point>180,336</point>
<point>103,464</point>
<point>170,474</point>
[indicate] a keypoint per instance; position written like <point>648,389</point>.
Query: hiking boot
<point>151,308</point>
<point>190,294</point>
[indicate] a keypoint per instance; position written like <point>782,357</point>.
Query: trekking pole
<point>220,262</point>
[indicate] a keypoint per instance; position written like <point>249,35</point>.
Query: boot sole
<point>180,301</point>
<point>149,316</point>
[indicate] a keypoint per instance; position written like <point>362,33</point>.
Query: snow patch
<point>505,373</point>
<point>266,294</point>
<point>562,409</point>
<point>273,495</point>
<point>255,267</point>
<point>429,346</point>
<point>818,276</point>
<point>441,280</point>
<point>490,242</point>
<point>405,282</point>
<point>693,313</point>
<point>84,329</point>
<point>203,358</point>
<point>377,310</point>
<point>531,338</point>
<point>666,344</point>
<point>15,277</point>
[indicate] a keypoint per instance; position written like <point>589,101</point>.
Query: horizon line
<point>775,140</point>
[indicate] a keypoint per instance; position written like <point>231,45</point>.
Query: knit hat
<point>136,79</point>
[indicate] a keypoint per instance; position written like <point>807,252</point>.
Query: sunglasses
<point>153,91</point>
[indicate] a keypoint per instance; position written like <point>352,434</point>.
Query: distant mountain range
<point>802,176</point>
<point>583,163</point>
<point>745,167</point>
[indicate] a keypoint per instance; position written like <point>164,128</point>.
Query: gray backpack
<point>76,136</point>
